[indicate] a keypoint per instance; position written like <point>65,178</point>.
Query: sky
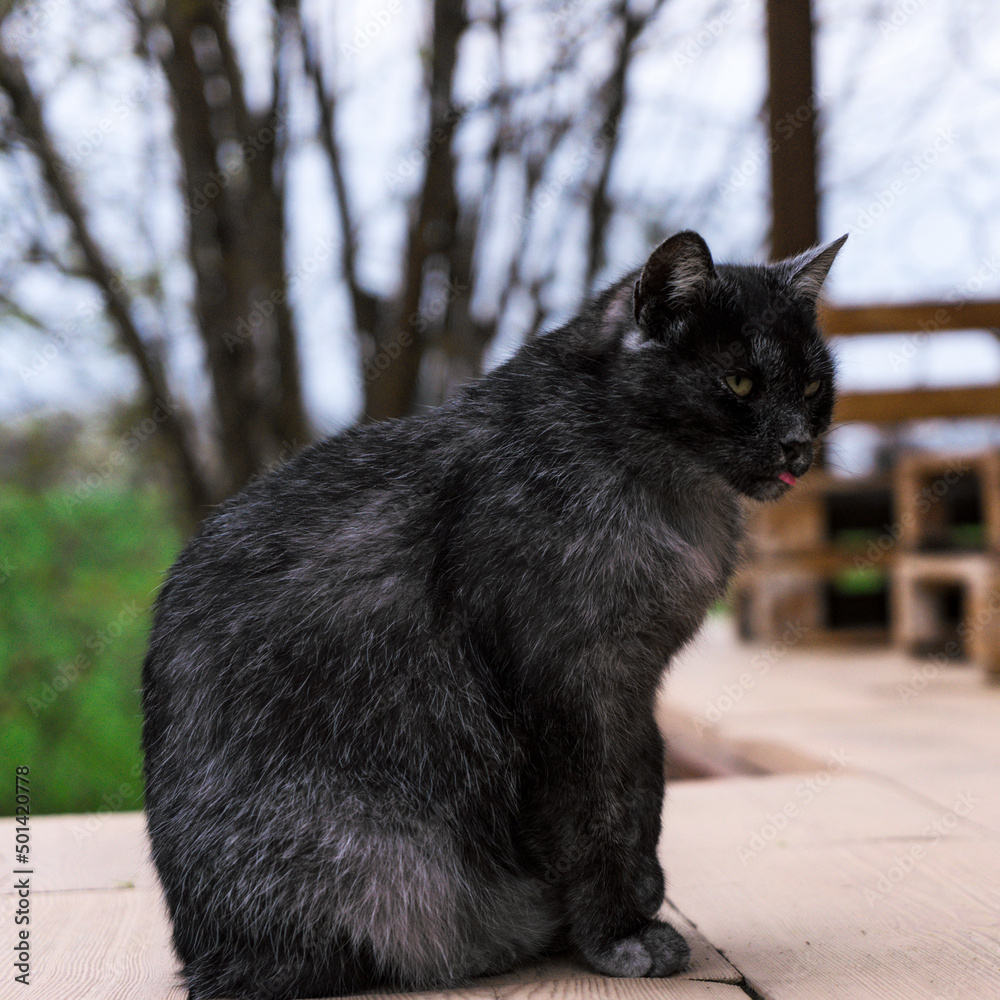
<point>910,160</point>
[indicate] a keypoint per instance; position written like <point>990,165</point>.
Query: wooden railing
<point>924,317</point>
<point>919,319</point>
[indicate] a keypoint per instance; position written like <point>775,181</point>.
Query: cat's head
<point>727,360</point>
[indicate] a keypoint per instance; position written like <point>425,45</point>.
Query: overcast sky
<point>910,99</point>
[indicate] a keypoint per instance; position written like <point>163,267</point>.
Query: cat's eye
<point>740,384</point>
<point>812,388</point>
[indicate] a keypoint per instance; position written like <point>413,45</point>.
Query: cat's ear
<point>808,271</point>
<point>678,273</point>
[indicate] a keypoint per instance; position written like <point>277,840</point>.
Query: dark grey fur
<point>399,693</point>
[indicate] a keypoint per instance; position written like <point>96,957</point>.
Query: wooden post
<point>792,116</point>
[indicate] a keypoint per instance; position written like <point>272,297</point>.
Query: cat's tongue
<point>787,477</point>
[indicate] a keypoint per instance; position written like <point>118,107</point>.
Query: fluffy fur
<point>399,692</point>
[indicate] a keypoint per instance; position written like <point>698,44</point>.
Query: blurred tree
<point>423,337</point>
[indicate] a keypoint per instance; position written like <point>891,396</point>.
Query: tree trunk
<point>236,247</point>
<point>400,341</point>
<point>792,114</point>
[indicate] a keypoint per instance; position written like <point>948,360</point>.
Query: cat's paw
<point>657,950</point>
<point>668,948</point>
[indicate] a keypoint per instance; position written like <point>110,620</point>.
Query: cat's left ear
<point>677,274</point>
<point>808,271</point>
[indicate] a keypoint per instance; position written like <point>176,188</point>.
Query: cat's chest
<point>669,572</point>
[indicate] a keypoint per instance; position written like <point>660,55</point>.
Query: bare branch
<point>28,111</point>
<point>433,231</point>
<point>365,305</point>
<point>600,204</point>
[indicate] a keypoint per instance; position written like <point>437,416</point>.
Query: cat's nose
<point>798,454</point>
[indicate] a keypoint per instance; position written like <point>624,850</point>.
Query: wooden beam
<point>926,317</point>
<point>918,404</point>
<point>792,119</point>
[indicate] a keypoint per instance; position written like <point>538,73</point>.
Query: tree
<point>544,168</point>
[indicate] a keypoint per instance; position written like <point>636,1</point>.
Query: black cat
<point>399,693</point>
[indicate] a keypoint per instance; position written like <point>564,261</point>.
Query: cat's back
<point>342,511</point>
<point>278,607</point>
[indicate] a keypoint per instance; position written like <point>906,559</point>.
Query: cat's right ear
<point>678,273</point>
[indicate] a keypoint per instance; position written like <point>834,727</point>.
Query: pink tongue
<point>787,477</point>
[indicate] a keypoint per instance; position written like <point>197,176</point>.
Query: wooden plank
<point>927,317</point>
<point>858,921</point>
<point>824,560</point>
<point>95,945</point>
<point>602,988</point>
<point>857,894</point>
<point>583,988</point>
<point>925,483</point>
<point>831,805</point>
<point>119,935</point>
<point>545,979</point>
<point>927,725</point>
<point>94,851</point>
<point>92,945</point>
<point>917,614</point>
<point>918,404</point>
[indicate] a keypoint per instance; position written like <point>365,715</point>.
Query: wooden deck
<point>865,865</point>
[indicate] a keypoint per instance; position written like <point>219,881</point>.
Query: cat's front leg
<point>651,886</point>
<point>600,812</point>
<point>612,906</point>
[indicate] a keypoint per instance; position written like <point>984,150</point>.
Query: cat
<point>399,692</point>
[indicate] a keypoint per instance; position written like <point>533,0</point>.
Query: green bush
<point>78,575</point>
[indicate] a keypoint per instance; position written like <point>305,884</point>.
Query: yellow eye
<point>740,384</point>
<point>812,388</point>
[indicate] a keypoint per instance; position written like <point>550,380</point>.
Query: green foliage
<point>969,536</point>
<point>78,575</point>
<point>861,580</point>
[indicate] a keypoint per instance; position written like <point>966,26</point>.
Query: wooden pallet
<point>819,510</point>
<point>801,547</point>
<point>936,493</point>
<point>923,587</point>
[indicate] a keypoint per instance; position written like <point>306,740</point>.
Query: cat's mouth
<point>772,487</point>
